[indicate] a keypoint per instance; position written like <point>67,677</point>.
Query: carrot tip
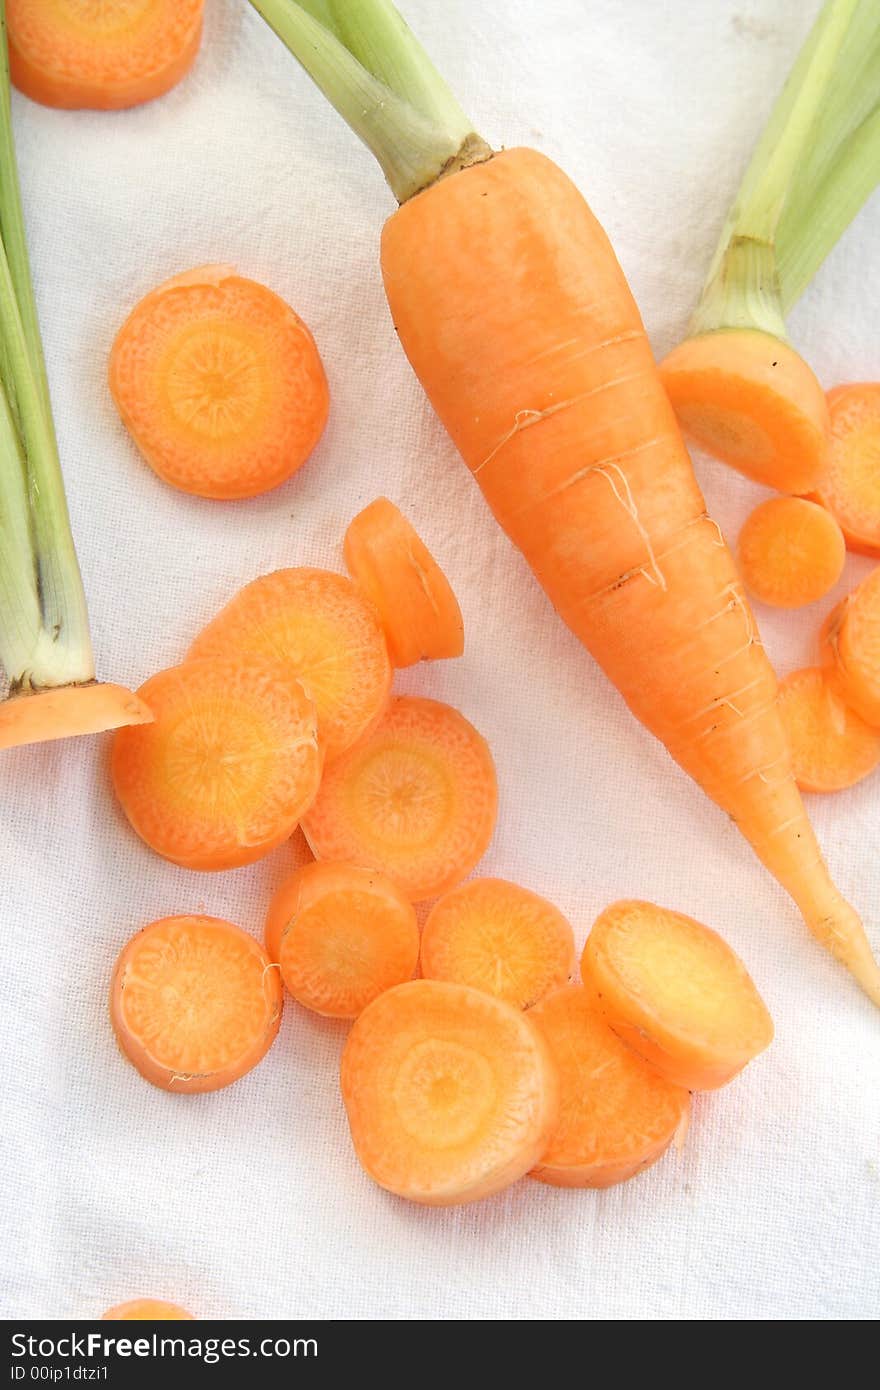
<point>69,711</point>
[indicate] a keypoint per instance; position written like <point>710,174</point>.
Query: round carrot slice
<point>147,1310</point>
<point>450,1093</point>
<point>791,552</point>
<point>322,630</point>
<point>851,648</point>
<point>343,935</point>
<point>500,938</point>
<point>195,1003</point>
<point>219,383</point>
<point>226,769</point>
<point>676,993</point>
<point>401,578</point>
<point>851,487</point>
<point>87,53</point>
<point>617,1114</point>
<point>831,746</point>
<point>417,798</point>
<point>67,711</point>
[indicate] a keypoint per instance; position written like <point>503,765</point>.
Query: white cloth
<point>249,1202</point>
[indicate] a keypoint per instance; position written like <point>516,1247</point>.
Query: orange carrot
<point>676,993</point>
<point>617,1114</point>
<point>851,648</point>
<point>500,938</point>
<point>228,767</point>
<point>219,383</point>
<point>417,798</point>
<point>450,1094</point>
<point>831,746</point>
<point>194,1003</point>
<point>67,710</point>
<point>282,904</point>
<point>791,552</point>
<point>403,581</point>
<point>79,53</point>
<point>324,632</point>
<point>147,1310</point>
<point>851,487</point>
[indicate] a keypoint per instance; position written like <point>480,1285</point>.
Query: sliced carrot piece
<point>401,578</point>
<point>417,798</point>
<point>325,632</point>
<point>67,711</point>
<point>450,1094</point>
<point>147,1310</point>
<point>851,487</point>
<point>282,904</point>
<point>500,938</point>
<point>219,383</point>
<point>791,552</point>
<point>617,1114</point>
<point>850,643</point>
<point>831,746</point>
<point>228,767</point>
<point>84,53</point>
<point>195,1003</point>
<point>676,993</point>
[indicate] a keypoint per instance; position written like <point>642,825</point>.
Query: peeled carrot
<point>675,993</point>
<point>617,1114</point>
<point>851,648</point>
<point>500,938</point>
<point>324,632</point>
<point>147,1310</point>
<point>67,710</point>
<point>400,576</point>
<point>417,798</point>
<point>831,746</point>
<point>851,486</point>
<point>343,935</point>
<point>450,1094</point>
<point>194,1003</point>
<point>282,903</point>
<point>74,53</point>
<point>219,383</point>
<point>227,768</point>
<point>791,552</point>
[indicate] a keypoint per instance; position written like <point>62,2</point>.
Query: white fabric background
<point>249,1203</point>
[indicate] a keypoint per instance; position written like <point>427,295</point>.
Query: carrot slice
<point>450,1094</point>
<point>219,383</point>
<point>147,1310</point>
<point>195,1003</point>
<point>82,53</point>
<point>791,552</point>
<point>850,643</point>
<point>417,798</point>
<point>617,1114</point>
<point>851,487</point>
<point>500,938</point>
<point>831,746</point>
<point>342,935</point>
<point>326,633</point>
<point>676,993</point>
<point>68,710</point>
<point>401,578</point>
<point>228,767</point>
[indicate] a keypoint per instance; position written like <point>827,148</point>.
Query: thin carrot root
<point>324,632</point>
<point>400,576</point>
<point>617,1114</point>
<point>219,383</point>
<point>750,400</point>
<point>850,643</point>
<point>342,935</point>
<point>227,768</point>
<point>791,552</point>
<point>451,1095</point>
<point>831,746</point>
<point>72,54</point>
<point>194,1003</point>
<point>851,487</point>
<point>147,1310</point>
<point>500,938</point>
<point>68,710</point>
<point>675,993</point>
<point>417,798</point>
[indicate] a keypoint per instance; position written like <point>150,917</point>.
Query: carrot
<point>617,1114</point>
<point>851,648</point>
<point>282,904</point>
<point>403,581</point>
<point>74,53</point>
<point>68,710</point>
<point>791,552</point>
<point>343,935</point>
<point>500,938</point>
<point>147,1310</point>
<point>417,799</point>
<point>228,767</point>
<point>194,1003</point>
<point>851,486</point>
<point>831,746</point>
<point>324,632</point>
<point>450,1094</point>
<point>219,383</point>
<point>675,993</point>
